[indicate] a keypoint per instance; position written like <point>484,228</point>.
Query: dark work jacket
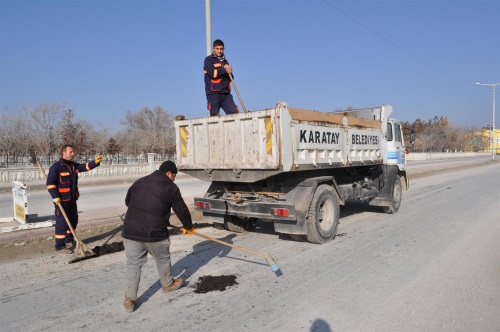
<point>62,180</point>
<point>149,201</point>
<point>216,77</point>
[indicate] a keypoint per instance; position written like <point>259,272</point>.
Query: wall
<point>444,155</point>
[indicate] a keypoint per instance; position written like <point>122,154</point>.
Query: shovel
<point>268,257</point>
<point>82,251</point>
<point>238,93</point>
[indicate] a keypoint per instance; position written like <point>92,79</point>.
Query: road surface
<point>435,265</point>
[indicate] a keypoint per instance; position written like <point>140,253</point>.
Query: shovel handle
<point>224,243</point>
<point>268,257</point>
<point>237,92</point>
<point>230,245</point>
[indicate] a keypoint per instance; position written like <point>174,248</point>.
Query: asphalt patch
<point>109,248</point>
<point>207,284</point>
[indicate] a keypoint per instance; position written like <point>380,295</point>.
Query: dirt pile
<point>207,284</point>
<point>109,248</point>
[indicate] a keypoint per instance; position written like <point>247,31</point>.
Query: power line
<point>392,40</point>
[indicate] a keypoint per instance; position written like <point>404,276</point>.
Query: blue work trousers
<point>136,253</point>
<point>63,234</point>
<point>217,101</point>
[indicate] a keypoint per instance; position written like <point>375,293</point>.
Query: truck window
<point>397,132</point>
<point>388,134</point>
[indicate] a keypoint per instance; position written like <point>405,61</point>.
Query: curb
<point>30,234</point>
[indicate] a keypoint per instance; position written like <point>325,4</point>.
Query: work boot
<point>129,305</point>
<point>71,244</point>
<point>176,284</point>
<point>63,251</point>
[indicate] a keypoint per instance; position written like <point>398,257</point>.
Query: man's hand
<point>98,159</point>
<point>187,232</point>
<point>56,200</point>
<point>228,69</point>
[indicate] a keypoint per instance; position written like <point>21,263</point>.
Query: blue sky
<point>106,57</point>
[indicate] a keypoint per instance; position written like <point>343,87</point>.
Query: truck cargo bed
<point>247,147</point>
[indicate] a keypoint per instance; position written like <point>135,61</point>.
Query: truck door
<point>396,152</point>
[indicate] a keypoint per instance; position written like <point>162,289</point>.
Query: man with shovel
<point>218,82</point>
<point>149,201</point>
<point>62,184</point>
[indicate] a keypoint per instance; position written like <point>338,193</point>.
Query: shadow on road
<point>110,234</point>
<point>201,255</point>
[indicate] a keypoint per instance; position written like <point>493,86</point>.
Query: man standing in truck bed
<point>218,82</point>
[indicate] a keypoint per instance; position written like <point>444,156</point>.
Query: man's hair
<point>168,166</point>
<point>218,42</point>
<point>63,148</point>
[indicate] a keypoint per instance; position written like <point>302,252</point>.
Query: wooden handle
<point>237,92</point>
<point>225,243</point>
<point>230,245</point>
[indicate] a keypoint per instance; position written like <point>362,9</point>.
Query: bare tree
<point>437,135</point>
<point>15,135</point>
<point>40,130</point>
<point>44,118</point>
<point>113,147</point>
<point>29,131</point>
<point>148,131</point>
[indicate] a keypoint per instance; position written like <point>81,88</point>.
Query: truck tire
<point>397,194</point>
<point>323,216</point>
<point>235,224</point>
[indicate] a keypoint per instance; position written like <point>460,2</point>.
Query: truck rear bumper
<point>260,210</point>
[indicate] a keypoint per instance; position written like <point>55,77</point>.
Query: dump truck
<point>293,167</point>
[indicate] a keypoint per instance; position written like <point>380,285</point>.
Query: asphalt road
<point>435,265</point>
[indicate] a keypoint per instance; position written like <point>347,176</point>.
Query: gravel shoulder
<point>95,236</point>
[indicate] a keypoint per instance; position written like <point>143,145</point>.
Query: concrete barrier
<point>33,174</point>
<point>444,155</point>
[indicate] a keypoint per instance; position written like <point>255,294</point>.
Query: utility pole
<point>493,92</point>
<point>209,27</point>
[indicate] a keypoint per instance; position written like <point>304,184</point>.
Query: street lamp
<point>493,92</point>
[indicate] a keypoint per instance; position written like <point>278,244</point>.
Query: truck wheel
<point>397,194</point>
<point>323,215</point>
<point>235,224</point>
<point>298,238</point>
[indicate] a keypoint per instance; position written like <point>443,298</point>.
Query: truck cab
<point>396,151</point>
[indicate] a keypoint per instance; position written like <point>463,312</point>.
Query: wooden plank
<point>315,116</point>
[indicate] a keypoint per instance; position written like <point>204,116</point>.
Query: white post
<point>493,92</point>
<point>209,27</point>
<point>493,150</point>
<point>20,198</point>
<point>151,161</point>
